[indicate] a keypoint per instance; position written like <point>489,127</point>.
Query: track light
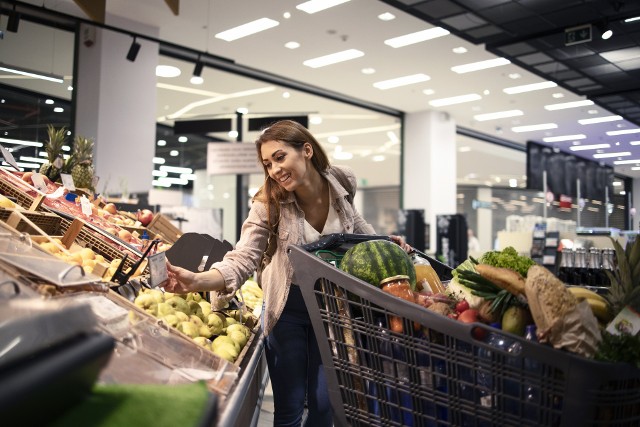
<point>133,50</point>
<point>14,20</point>
<point>605,30</point>
<point>197,72</point>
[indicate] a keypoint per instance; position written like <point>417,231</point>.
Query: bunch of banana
<point>598,304</point>
<point>251,294</point>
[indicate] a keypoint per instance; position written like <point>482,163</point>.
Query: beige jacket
<point>240,264</point>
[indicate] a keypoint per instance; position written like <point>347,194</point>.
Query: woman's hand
<point>399,240</point>
<point>180,280</point>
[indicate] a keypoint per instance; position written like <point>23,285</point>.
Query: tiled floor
<point>266,411</point>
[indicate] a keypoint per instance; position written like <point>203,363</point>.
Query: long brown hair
<point>294,135</point>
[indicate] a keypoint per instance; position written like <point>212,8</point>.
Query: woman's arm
<point>182,280</point>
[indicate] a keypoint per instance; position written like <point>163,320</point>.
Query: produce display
<point>225,333</point>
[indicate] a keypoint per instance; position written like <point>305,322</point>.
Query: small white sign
<point>8,157</point>
<point>232,158</point>
<point>67,181</point>
<point>58,193</point>
<point>38,182</point>
<point>85,204</point>
<point>158,269</point>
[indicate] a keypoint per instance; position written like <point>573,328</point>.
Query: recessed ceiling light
<point>460,50</point>
<point>286,15</point>
<point>196,80</point>
<point>158,160</point>
<point>292,45</point>
<point>313,6</point>
<point>401,81</point>
<point>368,70</point>
<point>233,134</point>
<point>565,105</point>
<point>481,65</point>
<point>286,95</point>
<point>513,182</point>
<point>609,155</point>
<point>323,61</point>
<point>558,95</point>
<point>592,111</point>
<point>183,139</point>
<point>386,16</point>
<point>486,92</point>
<point>417,37</point>
<point>529,88</point>
<point>161,142</point>
<point>378,158</point>
<point>464,149</point>
<point>49,101</point>
<point>497,115</point>
<point>622,132</point>
<point>599,120</point>
<point>247,29</point>
<point>531,128</point>
<point>315,120</point>
<point>455,100</point>
<point>428,91</point>
<point>514,76</point>
<point>333,140</point>
<point>588,147</point>
<point>564,138</point>
<point>168,71</point>
<point>58,110</point>
<point>173,153</point>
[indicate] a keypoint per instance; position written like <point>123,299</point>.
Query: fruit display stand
<point>441,372</point>
<point>161,225</point>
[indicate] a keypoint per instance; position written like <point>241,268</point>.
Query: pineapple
<point>625,280</point>
<point>82,171</point>
<point>54,153</point>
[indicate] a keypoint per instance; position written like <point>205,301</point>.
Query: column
<point>484,231</point>
<point>116,106</point>
<point>429,166</point>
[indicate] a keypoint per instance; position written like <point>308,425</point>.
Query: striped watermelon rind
<point>375,260</point>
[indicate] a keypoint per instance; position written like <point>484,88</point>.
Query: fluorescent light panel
<point>626,162</point>
<point>313,6</point>
<point>609,155</point>
<point>175,169</point>
<point>622,132</point>
<point>30,73</point>
<point>599,120</point>
<point>589,147</point>
<point>481,65</point>
<point>564,138</point>
<point>498,115</point>
<point>247,29</point>
<point>531,128</point>
<point>565,105</point>
<point>455,100</point>
<point>417,37</point>
<point>21,142</point>
<point>334,58</point>
<point>401,81</point>
<point>528,88</point>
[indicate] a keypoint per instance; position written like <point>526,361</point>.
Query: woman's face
<point>286,165</point>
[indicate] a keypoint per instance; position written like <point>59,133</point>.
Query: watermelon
<point>375,260</point>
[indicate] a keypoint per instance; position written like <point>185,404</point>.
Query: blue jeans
<point>295,368</point>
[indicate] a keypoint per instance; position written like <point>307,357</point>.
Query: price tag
<point>58,193</point>
<point>85,205</point>
<point>38,182</point>
<point>158,269</point>
<point>8,157</point>
<point>67,181</point>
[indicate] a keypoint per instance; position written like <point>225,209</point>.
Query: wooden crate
<point>31,222</point>
<point>162,227</point>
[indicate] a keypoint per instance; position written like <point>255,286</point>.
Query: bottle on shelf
<point>594,268</point>
<point>608,264</point>
<point>579,267</point>
<point>565,272</point>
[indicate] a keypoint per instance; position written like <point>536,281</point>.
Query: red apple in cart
<point>145,216</point>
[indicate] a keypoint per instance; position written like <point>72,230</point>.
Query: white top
<point>331,225</point>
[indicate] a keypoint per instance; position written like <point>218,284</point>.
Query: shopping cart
<point>441,373</point>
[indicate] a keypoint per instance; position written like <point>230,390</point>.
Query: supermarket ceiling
<point>524,40</point>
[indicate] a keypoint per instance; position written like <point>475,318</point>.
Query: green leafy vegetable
<point>619,348</point>
<point>508,258</point>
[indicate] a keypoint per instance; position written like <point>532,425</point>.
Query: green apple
<point>238,327</point>
<point>182,317</point>
<point>206,308</point>
<point>188,329</point>
<point>215,323</point>
<point>171,320</point>
<point>179,304</point>
<point>202,341</point>
<point>238,337</point>
<point>164,309</point>
<point>196,320</point>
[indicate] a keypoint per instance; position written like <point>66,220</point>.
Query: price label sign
<point>8,157</point>
<point>158,269</point>
<point>38,182</point>
<point>85,205</point>
<point>67,182</point>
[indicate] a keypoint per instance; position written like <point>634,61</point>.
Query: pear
<point>168,295</point>
<point>224,354</point>
<point>193,296</point>
<point>147,303</point>
<point>164,309</point>
<point>215,323</point>
<point>179,304</point>
<point>195,309</point>
<point>196,320</point>
<point>238,337</point>
<point>182,317</point>
<point>188,329</point>
<point>156,294</point>
<point>170,319</point>
<point>205,331</point>
<point>238,327</point>
<point>206,308</point>
<point>202,341</point>
<point>230,321</point>
<point>225,340</point>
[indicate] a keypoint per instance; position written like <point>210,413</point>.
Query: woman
<point>303,197</point>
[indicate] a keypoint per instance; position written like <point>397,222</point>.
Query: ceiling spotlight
<point>14,20</point>
<point>197,71</point>
<point>605,31</point>
<point>133,50</point>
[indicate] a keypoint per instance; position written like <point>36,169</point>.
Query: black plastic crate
<point>437,373</point>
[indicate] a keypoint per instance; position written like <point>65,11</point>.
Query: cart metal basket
<point>440,373</point>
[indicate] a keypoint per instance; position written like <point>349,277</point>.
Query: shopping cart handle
<point>334,240</point>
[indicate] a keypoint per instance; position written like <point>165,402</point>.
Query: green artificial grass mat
<point>123,405</point>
